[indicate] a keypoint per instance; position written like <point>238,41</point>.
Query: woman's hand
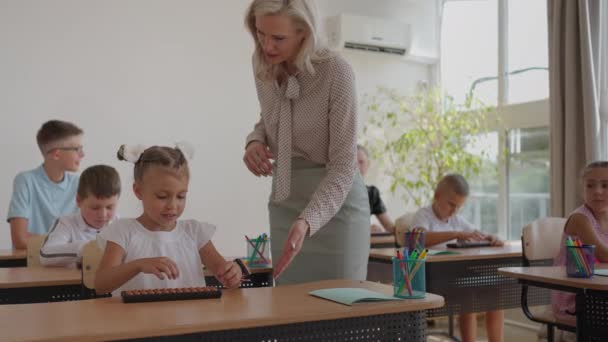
<point>161,267</point>
<point>230,275</point>
<point>292,246</point>
<point>257,158</point>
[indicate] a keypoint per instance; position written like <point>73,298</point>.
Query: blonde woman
<point>306,140</point>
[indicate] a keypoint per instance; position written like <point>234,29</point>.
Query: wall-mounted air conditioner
<point>368,33</point>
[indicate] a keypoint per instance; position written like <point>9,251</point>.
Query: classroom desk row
<point>591,295</point>
<point>13,258</point>
<point>22,285</point>
<point>469,280</point>
<point>285,313</point>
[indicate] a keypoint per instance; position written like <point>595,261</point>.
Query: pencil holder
<point>414,240</point>
<point>409,278</point>
<point>580,261</point>
<point>258,252</point>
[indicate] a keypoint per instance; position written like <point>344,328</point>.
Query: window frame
<point>519,115</point>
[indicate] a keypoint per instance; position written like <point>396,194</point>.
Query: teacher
<point>318,207</point>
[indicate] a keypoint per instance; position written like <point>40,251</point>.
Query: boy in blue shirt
<point>47,192</point>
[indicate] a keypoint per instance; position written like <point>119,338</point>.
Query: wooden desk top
<point>13,254</point>
<point>556,275</point>
<point>382,239</point>
<point>15,277</point>
<point>509,250</point>
<point>109,318</point>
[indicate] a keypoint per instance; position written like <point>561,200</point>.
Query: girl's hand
<point>160,266</point>
<point>230,275</point>
<point>257,158</point>
<point>292,245</point>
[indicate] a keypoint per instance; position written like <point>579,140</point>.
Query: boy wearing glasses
<point>47,192</point>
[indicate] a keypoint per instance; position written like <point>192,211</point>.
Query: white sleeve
<point>463,224</point>
<point>59,248</point>
<point>421,220</point>
<point>201,232</point>
<point>116,232</point>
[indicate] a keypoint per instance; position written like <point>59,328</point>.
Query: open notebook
<point>441,252</point>
<point>350,296</point>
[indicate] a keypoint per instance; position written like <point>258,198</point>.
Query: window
<point>468,45</point>
<point>497,50</point>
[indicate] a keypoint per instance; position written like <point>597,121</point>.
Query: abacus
<point>157,295</point>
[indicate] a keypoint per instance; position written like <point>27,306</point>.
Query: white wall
<point>151,71</point>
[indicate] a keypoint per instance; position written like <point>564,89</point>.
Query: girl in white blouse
<point>156,250</point>
<point>319,213</point>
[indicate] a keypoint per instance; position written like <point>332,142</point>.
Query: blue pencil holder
<point>409,278</point>
<point>258,252</point>
<point>580,261</point>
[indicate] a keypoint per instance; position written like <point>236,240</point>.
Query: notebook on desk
<point>350,296</point>
<point>469,244</point>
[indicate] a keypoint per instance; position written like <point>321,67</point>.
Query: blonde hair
<point>599,164</point>
<point>305,16</point>
<point>454,182</point>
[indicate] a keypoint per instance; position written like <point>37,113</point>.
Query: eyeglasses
<point>77,149</point>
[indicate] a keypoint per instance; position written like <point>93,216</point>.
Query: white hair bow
<point>186,148</point>
<point>132,153</point>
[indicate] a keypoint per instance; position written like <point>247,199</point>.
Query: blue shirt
<point>40,200</point>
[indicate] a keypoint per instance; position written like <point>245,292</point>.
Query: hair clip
<point>186,148</point>
<point>132,153</point>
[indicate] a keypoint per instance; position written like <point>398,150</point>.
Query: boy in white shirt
<point>441,223</point>
<point>97,196</point>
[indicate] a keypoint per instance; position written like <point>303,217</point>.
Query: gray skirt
<point>340,249</point>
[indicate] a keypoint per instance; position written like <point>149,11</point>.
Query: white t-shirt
<point>181,245</point>
<point>63,245</point>
<point>425,218</point>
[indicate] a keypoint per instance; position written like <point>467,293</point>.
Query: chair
<point>34,244</point>
<point>541,241</point>
<point>403,224</point>
<point>91,257</point>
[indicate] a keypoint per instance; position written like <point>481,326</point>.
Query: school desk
<point>591,296</point>
<point>13,258</point>
<point>40,284</point>
<point>469,281</point>
<point>383,240</point>
<point>260,276</point>
<point>284,313</point>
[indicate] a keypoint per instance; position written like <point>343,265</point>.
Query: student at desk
<point>97,196</point>
<point>589,223</point>
<point>441,223</point>
<point>48,191</point>
<point>376,205</point>
<point>157,250</point>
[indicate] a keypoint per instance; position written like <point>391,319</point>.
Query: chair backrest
<point>33,250</point>
<point>403,224</point>
<point>541,238</point>
<point>91,256</point>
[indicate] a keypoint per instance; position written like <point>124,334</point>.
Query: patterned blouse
<point>313,117</point>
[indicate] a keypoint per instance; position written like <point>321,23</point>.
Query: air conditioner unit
<point>368,33</point>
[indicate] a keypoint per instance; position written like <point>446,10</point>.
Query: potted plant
<point>415,140</point>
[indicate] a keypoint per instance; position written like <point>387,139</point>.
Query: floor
<point>517,328</point>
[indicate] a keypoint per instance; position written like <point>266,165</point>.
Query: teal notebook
<point>601,272</point>
<point>349,296</point>
<point>440,252</point>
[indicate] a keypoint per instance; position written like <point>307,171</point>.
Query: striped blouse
<point>313,117</point>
